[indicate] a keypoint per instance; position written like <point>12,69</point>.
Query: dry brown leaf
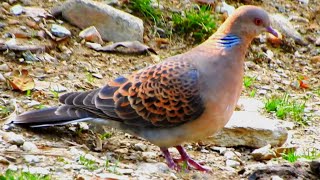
<point>20,80</point>
<point>127,47</point>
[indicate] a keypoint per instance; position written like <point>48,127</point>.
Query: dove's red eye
<point>257,21</point>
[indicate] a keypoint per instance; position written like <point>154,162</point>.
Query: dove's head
<point>248,22</point>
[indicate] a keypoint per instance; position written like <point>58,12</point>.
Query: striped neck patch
<point>228,41</point>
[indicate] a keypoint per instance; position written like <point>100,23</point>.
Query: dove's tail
<point>52,116</point>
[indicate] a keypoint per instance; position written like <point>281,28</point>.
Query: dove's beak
<point>270,30</point>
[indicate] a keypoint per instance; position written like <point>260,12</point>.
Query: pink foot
<point>170,161</point>
<point>173,163</point>
<point>190,162</point>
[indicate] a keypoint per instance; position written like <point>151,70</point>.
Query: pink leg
<point>169,159</point>
<point>185,157</point>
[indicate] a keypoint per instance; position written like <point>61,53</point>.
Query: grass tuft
<point>199,22</point>
<point>145,8</point>
<point>88,163</point>
<point>284,107</point>
<point>19,175</point>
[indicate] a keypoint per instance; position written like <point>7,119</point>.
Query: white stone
<point>149,168</point>
<point>140,147</point>
<point>232,163</point>
<point>251,129</point>
<point>16,10</point>
<point>31,159</point>
<point>13,138</point>
<point>29,146</point>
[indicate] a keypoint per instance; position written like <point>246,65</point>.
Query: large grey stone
<point>112,24</point>
<point>251,129</point>
<point>283,24</point>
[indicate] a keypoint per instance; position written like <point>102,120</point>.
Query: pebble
<point>2,78</point>
<point>149,155</point>
<point>16,10</point>
<point>140,147</point>
<point>91,34</point>
<point>150,168</point>
<point>318,41</point>
<point>36,170</point>
<point>111,176</point>
<point>275,177</point>
<point>60,31</point>
<point>29,146</point>
<point>31,159</point>
<point>4,161</point>
<point>221,150</point>
<point>225,8</point>
<point>13,167</point>
<point>13,138</point>
<point>231,154</point>
<point>232,163</point>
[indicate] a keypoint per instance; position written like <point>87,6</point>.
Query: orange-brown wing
<point>162,95</point>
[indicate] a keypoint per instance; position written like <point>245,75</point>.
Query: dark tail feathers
<point>52,116</point>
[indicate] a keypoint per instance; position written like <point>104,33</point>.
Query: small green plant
<point>19,175</point>
<point>253,93</point>
<point>145,8</point>
<point>55,94</point>
<point>28,93</point>
<point>4,111</point>
<point>90,78</point>
<point>39,106</point>
<point>105,135</point>
<point>284,107</point>
<point>200,22</point>
<point>290,156</point>
<point>317,91</point>
<point>88,163</point>
<point>248,81</point>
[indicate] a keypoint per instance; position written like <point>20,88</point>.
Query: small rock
<point>250,129</point>
<point>150,168</point>
<point>91,34</point>
<point>221,150</point>
<point>149,155</point>
<point>232,163</point>
<point>264,153</point>
<point>4,161</point>
<point>124,171</point>
<point>140,147</point>
<point>60,31</point>
<point>4,67</point>
<point>276,178</point>
<point>31,159</point>
<point>231,155</point>
<point>13,167</point>
<point>111,176</point>
<point>2,78</point>
<point>16,10</point>
<point>315,59</point>
<point>317,41</point>
<point>304,2</point>
<point>225,8</point>
<point>29,146</point>
<point>13,138</point>
<point>37,170</point>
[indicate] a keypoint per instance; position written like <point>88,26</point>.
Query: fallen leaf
<point>127,47</point>
<point>20,80</point>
